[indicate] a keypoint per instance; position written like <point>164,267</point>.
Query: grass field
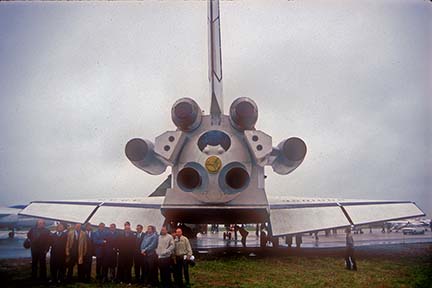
<point>407,266</point>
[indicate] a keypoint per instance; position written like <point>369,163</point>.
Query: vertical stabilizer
<point>215,61</point>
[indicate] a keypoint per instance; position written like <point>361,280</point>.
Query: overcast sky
<point>351,78</point>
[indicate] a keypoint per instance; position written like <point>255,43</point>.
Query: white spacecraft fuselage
<point>217,163</point>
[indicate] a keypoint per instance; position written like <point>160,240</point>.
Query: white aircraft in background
<point>9,219</point>
<point>396,226</point>
<point>217,163</point>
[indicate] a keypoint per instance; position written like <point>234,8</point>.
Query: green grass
<point>294,271</point>
<point>410,268</point>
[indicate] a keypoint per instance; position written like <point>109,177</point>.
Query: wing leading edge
<point>300,215</point>
<point>145,211</point>
<point>287,216</point>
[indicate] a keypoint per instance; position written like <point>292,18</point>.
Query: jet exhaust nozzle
<point>291,153</point>
<point>189,179</point>
<point>234,178</point>
<point>192,178</point>
<point>186,114</point>
<point>141,153</point>
<point>243,114</point>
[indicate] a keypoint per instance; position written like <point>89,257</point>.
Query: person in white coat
<point>164,251</point>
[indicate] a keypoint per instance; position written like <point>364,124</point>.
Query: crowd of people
<point>154,257</point>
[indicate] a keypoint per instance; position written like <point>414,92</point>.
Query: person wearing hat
<point>349,254</point>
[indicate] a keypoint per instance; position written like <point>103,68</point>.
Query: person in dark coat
<point>39,238</point>
<point>110,254</point>
<point>99,242</point>
<point>288,240</point>
<point>58,254</point>
<point>349,253</point>
<point>244,233</point>
<point>298,240</point>
<point>263,236</point>
<point>88,257</point>
<point>138,257</point>
<point>126,247</point>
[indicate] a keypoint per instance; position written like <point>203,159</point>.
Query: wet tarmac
<point>376,237</point>
<point>13,248</point>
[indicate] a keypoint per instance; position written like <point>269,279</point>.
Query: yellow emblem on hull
<point>213,164</point>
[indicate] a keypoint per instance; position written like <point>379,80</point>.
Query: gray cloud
<point>78,80</point>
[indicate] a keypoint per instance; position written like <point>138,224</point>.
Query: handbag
<point>27,243</point>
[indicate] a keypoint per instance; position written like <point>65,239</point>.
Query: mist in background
<point>351,78</point>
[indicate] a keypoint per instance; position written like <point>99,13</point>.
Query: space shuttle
<point>217,163</point>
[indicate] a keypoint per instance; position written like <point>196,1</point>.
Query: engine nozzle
<point>141,153</point>
<point>186,114</point>
<point>234,178</point>
<point>243,114</point>
<point>189,179</point>
<point>192,178</point>
<point>291,153</point>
